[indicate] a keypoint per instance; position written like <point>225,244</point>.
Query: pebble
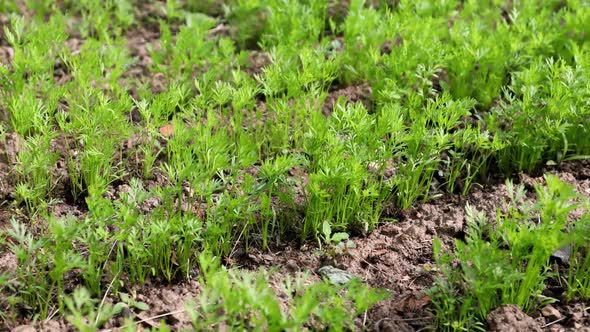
<point>551,313</point>
<point>335,276</point>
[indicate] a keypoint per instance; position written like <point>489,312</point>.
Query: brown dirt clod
<point>361,92</point>
<point>509,318</point>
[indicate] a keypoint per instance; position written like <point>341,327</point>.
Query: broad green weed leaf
<point>337,237</point>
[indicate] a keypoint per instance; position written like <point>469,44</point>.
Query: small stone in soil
<point>335,276</point>
<point>563,254</point>
<point>551,313</point>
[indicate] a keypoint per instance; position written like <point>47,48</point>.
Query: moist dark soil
<point>354,93</point>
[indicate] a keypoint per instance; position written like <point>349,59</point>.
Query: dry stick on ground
<point>233,250</point>
<point>49,317</point>
<point>403,319</point>
<point>553,322</point>
<point>559,320</point>
<point>410,319</point>
<point>149,319</point>
<point>110,284</point>
<point>105,297</point>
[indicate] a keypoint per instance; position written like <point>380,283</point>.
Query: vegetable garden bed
<point>294,165</point>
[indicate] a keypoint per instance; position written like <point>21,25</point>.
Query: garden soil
<point>397,256</point>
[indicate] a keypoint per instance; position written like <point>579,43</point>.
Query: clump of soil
<point>361,92</point>
<point>8,262</point>
<point>9,148</point>
<point>509,318</point>
<point>258,60</point>
<point>6,52</point>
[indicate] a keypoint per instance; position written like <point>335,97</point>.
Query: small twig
<point>401,319</point>
<point>221,28</point>
<point>105,297</point>
<point>110,284</point>
<point>146,320</point>
<point>233,250</point>
<point>365,318</point>
<point>110,252</point>
<point>553,322</point>
<point>559,320</point>
<point>51,316</point>
<point>409,319</point>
